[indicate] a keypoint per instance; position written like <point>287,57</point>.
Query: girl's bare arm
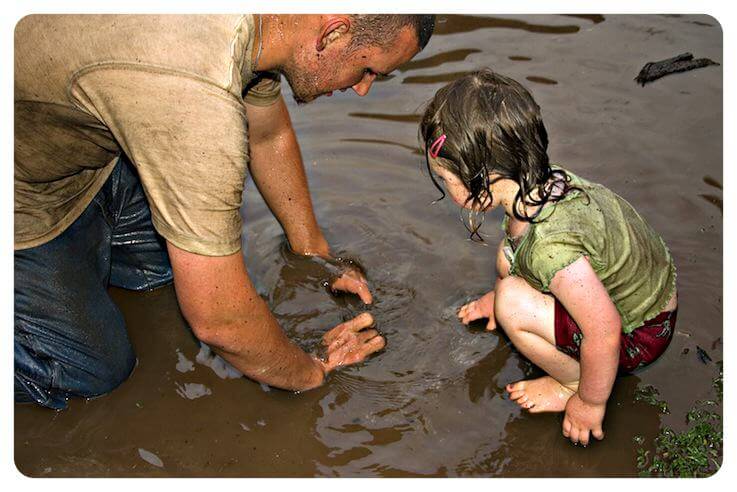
<point>583,295</point>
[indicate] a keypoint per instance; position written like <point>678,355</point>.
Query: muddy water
<point>432,404</point>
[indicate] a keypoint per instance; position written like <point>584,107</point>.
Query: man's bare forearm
<point>276,362</point>
<point>277,169</point>
<point>224,310</point>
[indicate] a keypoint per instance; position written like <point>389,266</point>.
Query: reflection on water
<point>712,182</point>
<point>384,78</point>
<point>714,200</point>
<point>541,80</point>
<point>468,23</point>
<point>595,18</point>
<point>414,150</point>
<point>449,77</point>
<point>434,79</point>
<point>402,118</point>
<point>631,419</point>
<point>437,60</point>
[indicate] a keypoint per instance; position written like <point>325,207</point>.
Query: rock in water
<point>150,458</point>
<point>681,63</point>
<point>184,364</point>
<point>220,366</point>
<point>192,391</point>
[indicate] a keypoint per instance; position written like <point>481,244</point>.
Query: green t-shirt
<point>628,256</point>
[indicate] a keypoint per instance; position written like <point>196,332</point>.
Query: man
<point>133,136</point>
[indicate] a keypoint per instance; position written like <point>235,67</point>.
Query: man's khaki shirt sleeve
<point>264,89</point>
<point>188,140</point>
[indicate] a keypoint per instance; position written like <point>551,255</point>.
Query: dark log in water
<point>681,63</point>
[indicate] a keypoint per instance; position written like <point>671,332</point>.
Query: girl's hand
<point>582,419</point>
<point>483,307</point>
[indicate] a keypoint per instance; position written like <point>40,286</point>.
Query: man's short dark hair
<point>381,30</point>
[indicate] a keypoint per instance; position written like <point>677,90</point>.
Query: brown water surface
<point>432,403</point>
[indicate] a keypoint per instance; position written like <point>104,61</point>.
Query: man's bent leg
<point>70,338</point>
<point>139,257</point>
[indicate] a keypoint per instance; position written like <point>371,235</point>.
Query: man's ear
<point>331,29</point>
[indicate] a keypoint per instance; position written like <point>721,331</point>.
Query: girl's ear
<point>332,29</point>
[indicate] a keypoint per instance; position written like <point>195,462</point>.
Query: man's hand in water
<point>582,419</point>
<point>347,276</point>
<point>350,342</point>
<point>353,281</point>
<point>483,307</point>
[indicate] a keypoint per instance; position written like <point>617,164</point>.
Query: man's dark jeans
<point>70,338</point>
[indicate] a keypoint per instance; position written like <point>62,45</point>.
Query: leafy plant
<point>648,394</point>
<point>694,452</point>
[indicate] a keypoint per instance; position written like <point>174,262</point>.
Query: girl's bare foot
<point>544,394</point>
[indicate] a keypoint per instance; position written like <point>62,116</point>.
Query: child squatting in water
<point>585,287</point>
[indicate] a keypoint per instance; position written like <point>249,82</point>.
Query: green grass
<point>648,394</point>
<point>694,452</point>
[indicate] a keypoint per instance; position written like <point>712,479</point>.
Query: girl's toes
<point>518,386</point>
<point>516,395</point>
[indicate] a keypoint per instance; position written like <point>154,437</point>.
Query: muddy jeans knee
<point>70,337</point>
<point>51,366</point>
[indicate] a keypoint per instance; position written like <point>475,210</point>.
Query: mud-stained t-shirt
<point>628,256</point>
<point>167,90</point>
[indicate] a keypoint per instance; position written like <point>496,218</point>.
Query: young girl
<point>585,287</point>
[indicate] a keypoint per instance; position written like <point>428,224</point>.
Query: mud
<point>431,404</point>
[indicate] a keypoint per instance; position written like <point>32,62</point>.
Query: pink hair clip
<point>436,146</point>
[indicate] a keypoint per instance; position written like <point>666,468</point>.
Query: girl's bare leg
<point>528,318</point>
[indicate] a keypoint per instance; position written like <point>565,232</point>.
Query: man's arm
<point>224,310</point>
<point>277,169</point>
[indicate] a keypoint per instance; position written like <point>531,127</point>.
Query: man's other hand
<point>351,342</point>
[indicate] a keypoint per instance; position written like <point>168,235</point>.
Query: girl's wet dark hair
<point>492,125</point>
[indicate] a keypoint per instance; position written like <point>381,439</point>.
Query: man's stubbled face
<point>313,73</point>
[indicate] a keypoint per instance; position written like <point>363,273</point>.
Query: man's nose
<point>362,88</point>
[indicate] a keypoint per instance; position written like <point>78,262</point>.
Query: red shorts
<point>637,349</point>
